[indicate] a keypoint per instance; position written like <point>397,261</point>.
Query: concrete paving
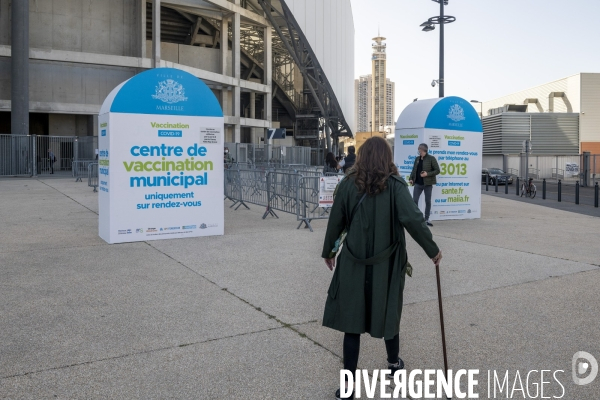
<point>240,315</point>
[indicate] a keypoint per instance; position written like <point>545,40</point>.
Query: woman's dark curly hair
<point>374,165</point>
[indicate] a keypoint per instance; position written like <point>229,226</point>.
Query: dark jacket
<point>377,230</point>
<point>430,165</point>
<point>349,162</point>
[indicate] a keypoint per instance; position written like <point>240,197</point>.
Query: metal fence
<point>308,201</point>
<point>79,169</point>
<point>93,176</point>
<point>584,168</point>
<point>16,155</point>
<point>30,155</point>
<point>289,190</point>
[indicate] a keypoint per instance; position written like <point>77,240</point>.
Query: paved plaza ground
<point>238,316</point>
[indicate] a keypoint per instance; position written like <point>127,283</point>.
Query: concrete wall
<point>69,125</point>
<point>90,26</point>
<point>329,28</point>
<point>67,83</point>
<point>193,56</point>
<point>4,22</point>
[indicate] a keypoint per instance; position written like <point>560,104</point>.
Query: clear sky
<point>494,47</point>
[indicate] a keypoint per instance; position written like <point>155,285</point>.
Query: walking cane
<point>439,288</point>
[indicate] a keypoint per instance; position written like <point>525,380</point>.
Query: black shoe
<point>338,397</point>
<point>396,367</point>
<point>429,223</point>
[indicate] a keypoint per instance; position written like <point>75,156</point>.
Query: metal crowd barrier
<point>290,191</point>
<point>282,188</point>
<point>308,201</point>
<point>93,175</point>
<point>79,168</point>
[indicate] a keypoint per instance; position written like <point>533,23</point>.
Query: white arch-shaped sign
<point>160,159</point>
<point>451,128</point>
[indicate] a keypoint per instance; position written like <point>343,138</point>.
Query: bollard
<point>506,186</point>
<point>517,185</point>
<point>496,184</point>
<point>577,192</point>
<point>559,191</point>
<point>487,182</point>
<point>544,189</point>
<point>596,193</point>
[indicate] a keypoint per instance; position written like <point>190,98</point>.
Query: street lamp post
<point>481,107</point>
<point>429,26</point>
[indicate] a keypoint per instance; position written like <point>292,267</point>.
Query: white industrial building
<point>271,63</point>
<point>561,119</point>
<point>575,100</point>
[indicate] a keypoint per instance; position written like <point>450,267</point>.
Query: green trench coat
<point>366,291</point>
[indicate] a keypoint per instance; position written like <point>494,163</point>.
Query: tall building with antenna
<point>375,93</point>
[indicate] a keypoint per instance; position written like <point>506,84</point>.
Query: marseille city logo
<point>456,113</point>
<point>170,92</point>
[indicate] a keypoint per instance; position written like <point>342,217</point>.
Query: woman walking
<point>331,164</point>
<point>374,206</point>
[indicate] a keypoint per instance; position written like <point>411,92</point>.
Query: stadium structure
<point>271,63</point>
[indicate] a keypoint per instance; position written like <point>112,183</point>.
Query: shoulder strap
<point>354,211</point>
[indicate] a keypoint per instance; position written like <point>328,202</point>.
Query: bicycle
<point>528,189</point>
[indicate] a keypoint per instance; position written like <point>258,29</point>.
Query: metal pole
<point>496,184</point>
<point>544,189</point>
<point>596,190</point>
<point>439,289</point>
<point>559,191</point>
<point>526,160</point>
<point>76,149</point>
<point>156,34</point>
<point>441,83</point>
<point>506,185</point>
<point>577,192</point>
<point>34,154</point>
<point>517,185</point>
<point>487,182</point>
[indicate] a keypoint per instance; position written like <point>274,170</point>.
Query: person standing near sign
<point>423,177</point>
<point>227,158</point>
<point>373,206</point>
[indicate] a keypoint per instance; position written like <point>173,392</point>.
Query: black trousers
<point>352,349</point>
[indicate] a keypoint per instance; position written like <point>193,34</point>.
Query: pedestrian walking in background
<point>51,160</point>
<point>423,177</point>
<point>349,160</point>
<point>331,164</point>
<point>374,207</point>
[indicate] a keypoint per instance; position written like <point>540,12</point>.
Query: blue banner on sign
<point>103,132</point>
<point>170,133</point>
<point>406,142</point>
<point>166,91</point>
<point>453,113</point>
<point>453,143</point>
